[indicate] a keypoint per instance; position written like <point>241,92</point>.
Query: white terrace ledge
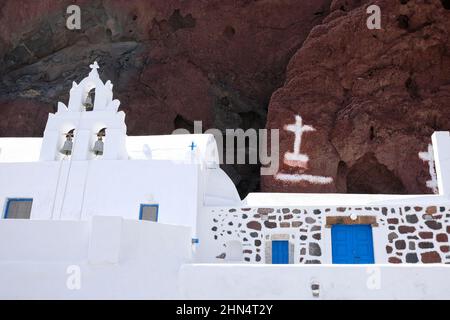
<point>338,199</point>
<point>253,281</point>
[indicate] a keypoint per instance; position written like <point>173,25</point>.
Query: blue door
<point>280,252</point>
<point>352,244</point>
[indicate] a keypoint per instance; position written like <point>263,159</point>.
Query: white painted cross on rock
<point>296,159</point>
<point>428,156</point>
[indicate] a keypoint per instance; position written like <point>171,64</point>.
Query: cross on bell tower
<point>94,66</point>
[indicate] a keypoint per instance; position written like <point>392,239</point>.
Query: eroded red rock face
<point>171,61</point>
<point>18,117</point>
<point>373,96</point>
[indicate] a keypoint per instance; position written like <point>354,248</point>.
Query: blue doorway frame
<point>280,251</point>
<point>352,244</point>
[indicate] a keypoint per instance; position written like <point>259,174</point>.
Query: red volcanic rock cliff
<point>374,97</point>
<point>171,61</point>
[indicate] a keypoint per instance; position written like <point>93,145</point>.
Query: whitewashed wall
<point>117,188</point>
<point>36,180</point>
<point>20,149</point>
<point>73,190</point>
<point>146,260</point>
<point>117,259</point>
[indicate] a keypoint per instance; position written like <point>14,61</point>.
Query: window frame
<point>141,209</point>
<point>8,203</point>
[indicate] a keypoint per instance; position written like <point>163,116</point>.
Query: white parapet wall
<point>113,258</point>
<point>104,258</point>
<point>256,282</point>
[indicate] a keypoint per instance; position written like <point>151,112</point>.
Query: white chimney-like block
<point>441,147</point>
<point>105,239</point>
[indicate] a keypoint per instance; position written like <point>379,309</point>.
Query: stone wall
<point>255,227</point>
<point>417,234</point>
<point>408,234</point>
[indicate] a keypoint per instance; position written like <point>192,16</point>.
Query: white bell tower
<point>91,119</point>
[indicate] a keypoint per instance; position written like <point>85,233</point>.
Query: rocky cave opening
<point>368,176</point>
<point>177,21</point>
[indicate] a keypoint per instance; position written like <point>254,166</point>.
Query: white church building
<point>89,212</point>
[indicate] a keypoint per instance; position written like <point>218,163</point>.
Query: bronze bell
<point>88,105</point>
<point>98,146</point>
<point>68,145</point>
